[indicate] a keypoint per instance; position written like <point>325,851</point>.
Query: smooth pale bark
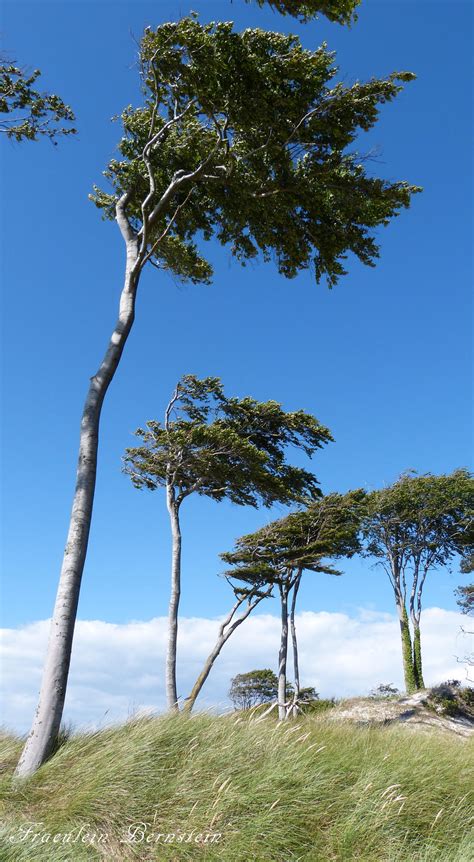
<point>407,647</point>
<point>175,594</point>
<point>226,629</point>
<point>283,653</point>
<point>294,640</point>
<point>47,719</point>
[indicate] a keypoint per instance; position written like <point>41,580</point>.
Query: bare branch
<point>151,180</point>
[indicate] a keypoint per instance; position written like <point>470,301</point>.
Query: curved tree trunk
<point>282,657</point>
<point>226,628</point>
<point>191,699</point>
<point>49,711</point>
<point>171,689</point>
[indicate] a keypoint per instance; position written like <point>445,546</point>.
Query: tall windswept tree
<point>417,525</point>
<point>280,552</point>
<point>340,11</point>
<point>221,448</point>
<point>243,138</point>
<point>27,114</point>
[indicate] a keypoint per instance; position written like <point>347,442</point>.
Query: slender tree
<point>241,137</point>
<point>279,554</point>
<point>418,524</point>
<point>246,601</point>
<point>221,448</point>
<point>27,114</point>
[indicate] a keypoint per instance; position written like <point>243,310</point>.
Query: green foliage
<point>317,706</point>
<point>307,694</point>
<point>26,113</point>
<point>465,598</point>
<point>229,448</point>
<point>326,528</point>
<point>314,790</point>
<point>341,11</point>
<point>418,524</point>
<point>452,699</point>
<point>422,521</point>
<point>254,687</point>
<point>467,563</point>
<point>243,137</point>
<point>261,686</point>
<point>384,690</point>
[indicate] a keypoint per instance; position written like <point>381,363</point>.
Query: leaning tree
<point>280,552</point>
<point>220,448</point>
<point>244,138</point>
<point>416,525</point>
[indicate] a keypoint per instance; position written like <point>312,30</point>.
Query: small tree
<point>254,687</point>
<point>27,113</point>
<point>385,690</point>
<point>221,448</point>
<point>308,694</point>
<point>418,524</point>
<point>240,137</point>
<point>279,554</point>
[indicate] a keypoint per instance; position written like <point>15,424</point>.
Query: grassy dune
<point>309,790</point>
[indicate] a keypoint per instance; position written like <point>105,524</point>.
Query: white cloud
<point>118,669</point>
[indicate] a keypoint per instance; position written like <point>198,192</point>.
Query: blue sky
<point>383,359</point>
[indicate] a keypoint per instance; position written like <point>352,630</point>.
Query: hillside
<point>239,789</point>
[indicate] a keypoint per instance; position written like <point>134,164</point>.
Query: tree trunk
<point>296,668</point>
<point>171,689</point>
<point>282,657</point>
<point>47,720</point>
<point>407,649</point>
<point>191,700</point>
<point>417,663</point>
<point>225,630</point>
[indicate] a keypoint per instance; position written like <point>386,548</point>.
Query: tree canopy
<point>255,686</point>
<point>222,447</point>
<point>27,113</point>
<point>422,522</point>
<point>326,528</point>
<point>341,11</point>
<point>244,137</point>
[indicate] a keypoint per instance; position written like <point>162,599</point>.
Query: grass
<point>308,790</point>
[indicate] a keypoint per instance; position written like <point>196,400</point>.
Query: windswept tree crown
<point>326,529</point>
<point>243,137</point>
<point>421,522</point>
<point>341,11</point>
<point>224,447</point>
